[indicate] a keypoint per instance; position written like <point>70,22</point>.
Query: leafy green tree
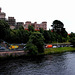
<point>31,28</point>
<point>64,39</point>
<point>7,36</point>
<point>21,28</point>
<point>4,27</point>
<point>57,25</point>
<point>37,39</point>
<point>51,36</point>
<point>47,37</point>
<point>64,33</point>
<point>41,30</point>
<point>19,36</point>
<point>12,38</point>
<point>72,35</point>
<point>24,36</point>
<point>72,40</point>
<point>32,49</point>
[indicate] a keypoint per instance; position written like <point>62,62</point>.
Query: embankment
<point>11,53</point>
<point>46,52</point>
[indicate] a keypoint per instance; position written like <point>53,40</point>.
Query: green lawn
<point>58,50</point>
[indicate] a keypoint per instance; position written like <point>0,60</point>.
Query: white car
<point>54,46</point>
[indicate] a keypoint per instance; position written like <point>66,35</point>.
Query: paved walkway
<point>13,53</point>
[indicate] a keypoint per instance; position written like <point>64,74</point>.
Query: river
<point>56,64</point>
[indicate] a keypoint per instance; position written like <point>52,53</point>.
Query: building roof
<point>28,21</point>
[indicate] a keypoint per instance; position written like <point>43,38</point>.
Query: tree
<point>72,40</point>
<point>21,28</point>
<point>37,39</point>
<point>24,36</point>
<point>13,37</point>
<point>31,28</point>
<point>4,28</point>
<point>19,36</point>
<point>41,30</point>
<point>32,49</point>
<point>47,37</point>
<point>72,35</point>
<point>64,33</point>
<point>57,25</point>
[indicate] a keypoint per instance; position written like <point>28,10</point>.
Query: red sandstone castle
<point>35,25</point>
<point>13,24</point>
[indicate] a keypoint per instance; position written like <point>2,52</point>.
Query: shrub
<point>37,39</point>
<point>72,40</point>
<point>32,49</point>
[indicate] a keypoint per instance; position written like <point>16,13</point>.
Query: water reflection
<point>57,64</point>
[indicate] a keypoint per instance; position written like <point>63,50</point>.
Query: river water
<point>56,64</point>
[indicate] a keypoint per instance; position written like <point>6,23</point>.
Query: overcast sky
<point>41,10</point>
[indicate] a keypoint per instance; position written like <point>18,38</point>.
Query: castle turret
<point>0,10</point>
<point>2,15</point>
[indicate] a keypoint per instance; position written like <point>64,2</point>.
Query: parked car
<point>13,47</point>
<point>58,46</point>
<point>54,46</point>
<point>48,46</point>
<point>24,47</point>
<point>71,45</point>
<point>2,48</point>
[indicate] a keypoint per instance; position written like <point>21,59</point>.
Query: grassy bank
<point>58,50</point>
<point>46,52</point>
<point>61,43</point>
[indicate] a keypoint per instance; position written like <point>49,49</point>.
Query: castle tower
<point>0,10</point>
<point>2,15</point>
<point>44,25</point>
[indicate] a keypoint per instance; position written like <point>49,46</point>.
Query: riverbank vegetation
<point>72,38</point>
<point>35,40</point>
<point>46,52</point>
<point>22,36</point>
<point>35,43</point>
<point>58,50</point>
